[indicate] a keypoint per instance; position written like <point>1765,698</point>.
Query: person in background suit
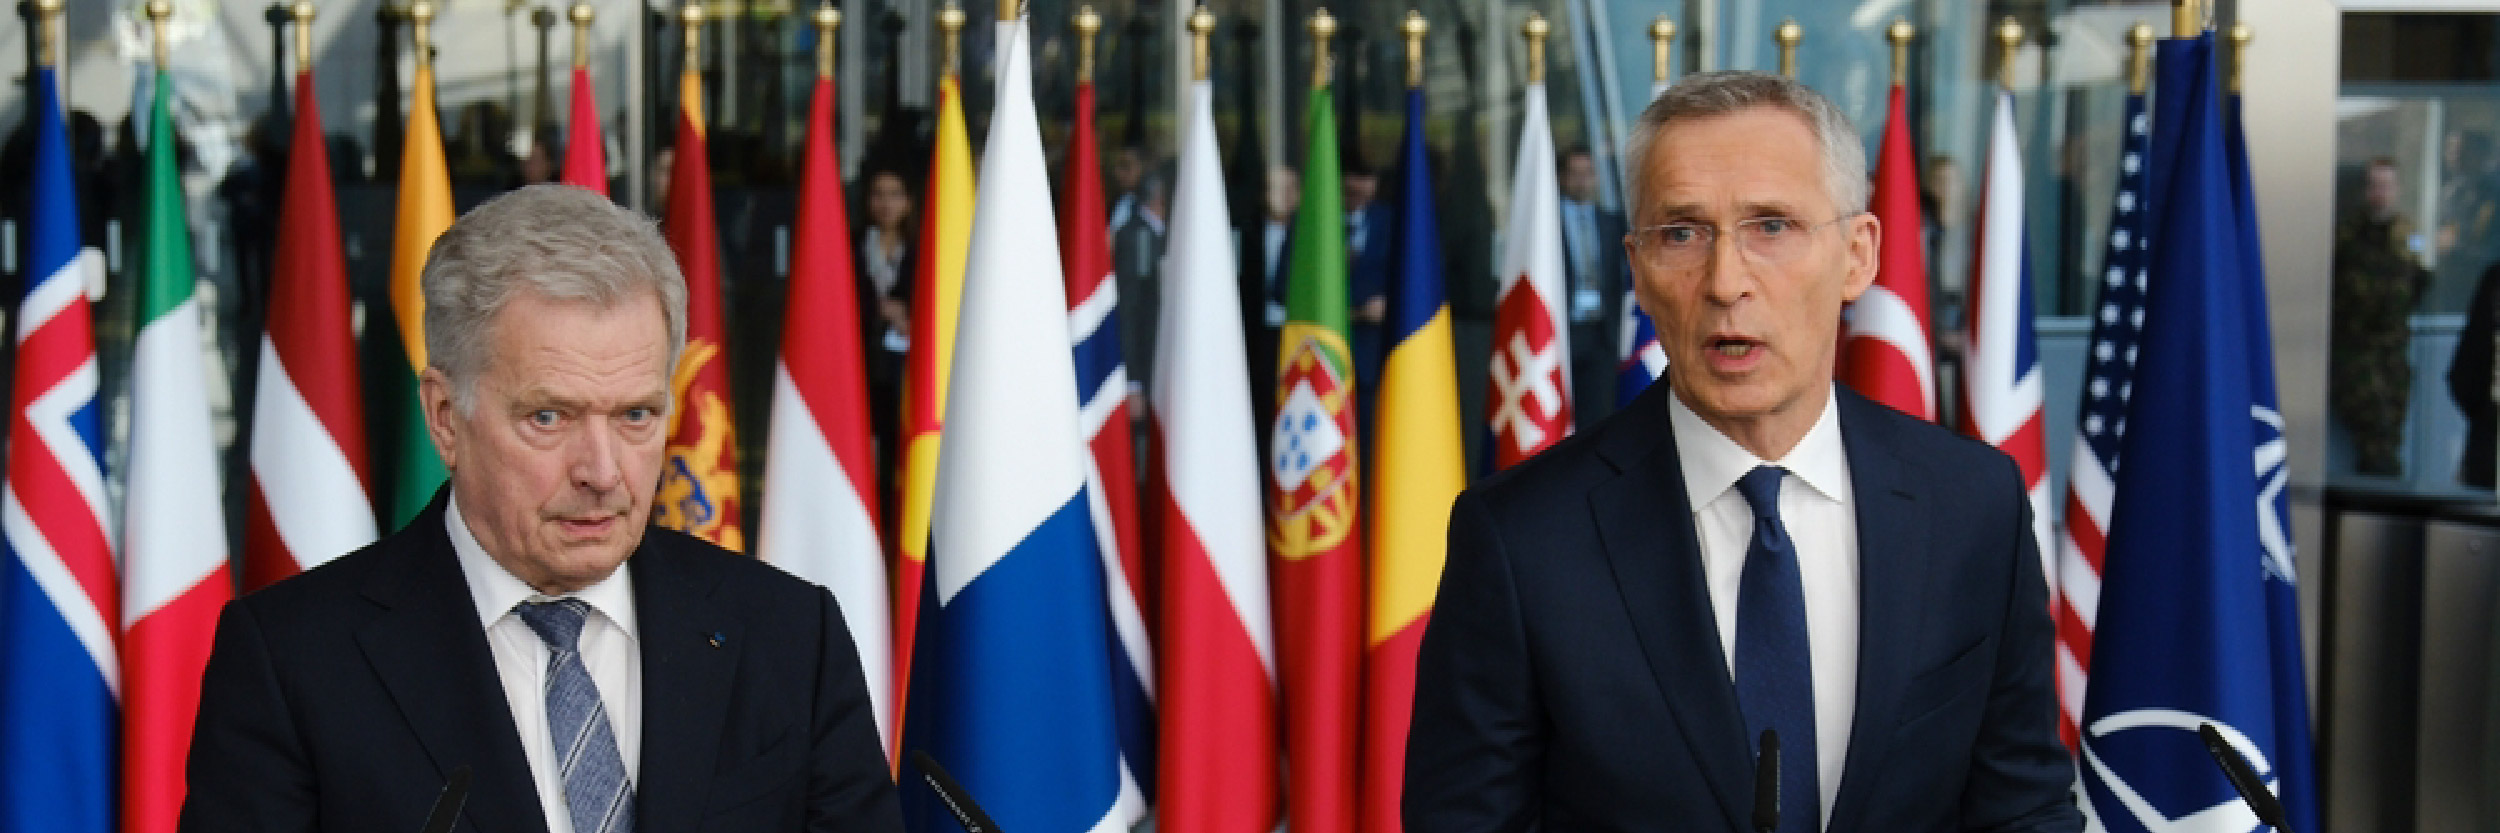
<point>885,264</point>
<point>594,673</point>
<point>1593,264</point>
<point>1747,548</point>
<point>1137,264</point>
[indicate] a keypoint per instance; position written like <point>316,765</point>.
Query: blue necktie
<point>595,787</point>
<point>1774,670</point>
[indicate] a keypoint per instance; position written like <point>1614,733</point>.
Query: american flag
<point>2109,372</point>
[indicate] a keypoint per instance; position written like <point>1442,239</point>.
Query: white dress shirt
<point>608,651</point>
<point>1822,521</point>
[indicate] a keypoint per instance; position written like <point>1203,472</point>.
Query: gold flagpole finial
<point>828,22</point>
<point>45,11</point>
<point>1201,27</point>
<point>1088,24</point>
<point>950,32</point>
<point>581,15</point>
<point>1789,34</point>
<point>1009,11</point>
<point>421,29</point>
<point>1536,30</point>
<point>160,13</point>
<point>2186,20</point>
<point>1901,33</point>
<point>2139,57</point>
<point>2240,36</point>
<point>1415,28</point>
<point>690,17</point>
<point>1323,26</point>
<point>303,13</point>
<point>2010,38</point>
<point>1661,45</point>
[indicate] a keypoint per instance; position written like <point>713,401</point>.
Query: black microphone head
<point>1766,783</point>
<point>2243,777</point>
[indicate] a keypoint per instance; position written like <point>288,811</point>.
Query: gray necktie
<point>595,786</point>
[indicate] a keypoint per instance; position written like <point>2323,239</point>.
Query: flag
<point>424,212</point>
<point>1643,360</point>
<point>59,601</point>
<point>311,499</point>
<point>1314,516</point>
<point>2196,563</point>
<point>820,498</point>
<point>1417,472</point>
<point>699,484</point>
<point>1110,465</point>
<point>1531,365</point>
<point>2001,382</point>
<point>585,150</point>
<point>1884,349</point>
<point>937,298</point>
<point>2109,374</point>
<point>1218,646</point>
<point>1016,660</point>
<point>175,577</point>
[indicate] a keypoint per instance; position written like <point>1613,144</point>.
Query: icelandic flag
<point>1012,687</point>
<point>59,599</point>
<point>2189,626</point>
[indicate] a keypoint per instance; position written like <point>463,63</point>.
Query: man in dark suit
<point>1743,550</point>
<point>1594,267</point>
<point>692,689</point>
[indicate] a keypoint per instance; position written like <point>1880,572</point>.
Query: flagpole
<point>1088,24</point>
<point>2241,35</point>
<point>828,21</point>
<point>2186,19</point>
<point>1661,47</point>
<point>951,26</point>
<point>1323,26</point>
<point>1901,33</point>
<point>2139,57</point>
<point>581,15</point>
<point>1789,34</point>
<point>2010,40</point>
<point>1536,30</point>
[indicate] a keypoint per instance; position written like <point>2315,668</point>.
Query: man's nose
<point>597,457</point>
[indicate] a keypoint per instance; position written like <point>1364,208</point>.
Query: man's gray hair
<point>1726,92</point>
<point>555,241</point>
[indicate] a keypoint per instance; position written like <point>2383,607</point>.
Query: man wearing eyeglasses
<point>1747,551</point>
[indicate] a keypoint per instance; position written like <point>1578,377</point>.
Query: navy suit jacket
<point>1571,676</point>
<point>343,698</point>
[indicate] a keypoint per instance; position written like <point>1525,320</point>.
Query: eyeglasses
<point>1763,240</point>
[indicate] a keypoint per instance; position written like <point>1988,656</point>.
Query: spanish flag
<point>699,482</point>
<point>937,294</point>
<point>424,212</point>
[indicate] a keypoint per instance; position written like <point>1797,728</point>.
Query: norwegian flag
<point>2109,377</point>
<point>1531,401</point>
<point>2001,382</point>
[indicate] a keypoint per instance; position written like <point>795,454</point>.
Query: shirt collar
<point>1713,463</point>
<point>496,591</point>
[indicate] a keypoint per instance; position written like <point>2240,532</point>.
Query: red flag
<point>585,151</point>
<point>311,487</point>
<point>1884,349</point>
<point>699,483</point>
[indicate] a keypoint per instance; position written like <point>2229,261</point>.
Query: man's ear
<point>1866,243</point>
<point>434,398</point>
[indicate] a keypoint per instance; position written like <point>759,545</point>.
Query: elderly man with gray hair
<point>1750,600</point>
<point>591,673</point>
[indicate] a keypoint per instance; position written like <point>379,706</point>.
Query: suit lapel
<point>1644,518</point>
<point>431,654</point>
<point>1892,592</point>
<point>689,649</point>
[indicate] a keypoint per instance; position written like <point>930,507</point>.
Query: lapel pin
<point>718,639</point>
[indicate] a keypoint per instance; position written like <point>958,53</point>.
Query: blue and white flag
<point>1012,683</point>
<point>2188,632</point>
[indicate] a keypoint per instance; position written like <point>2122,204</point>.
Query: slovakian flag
<point>175,577</point>
<point>1015,673</point>
<point>699,482</point>
<point>1111,462</point>
<point>2189,630</point>
<point>1314,521</point>
<point>820,497</point>
<point>2109,377</point>
<point>311,499</point>
<point>585,150</point>
<point>60,602</point>
<point>2002,391</point>
<point>416,470</point>
<point>1418,469</point>
<point>1217,758</point>
<point>937,298</point>
<point>1884,348</point>
<point>1531,367</point>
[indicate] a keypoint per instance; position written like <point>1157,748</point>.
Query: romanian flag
<point>311,490</point>
<point>1417,472</point>
<point>1313,526</point>
<point>937,295</point>
<point>424,212</point>
<point>699,482</point>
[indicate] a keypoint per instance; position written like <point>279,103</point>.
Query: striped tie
<point>595,786</point>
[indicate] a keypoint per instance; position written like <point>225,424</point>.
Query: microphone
<point>2243,778</point>
<point>1766,784</point>
<point>447,803</point>
<point>957,801</point>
